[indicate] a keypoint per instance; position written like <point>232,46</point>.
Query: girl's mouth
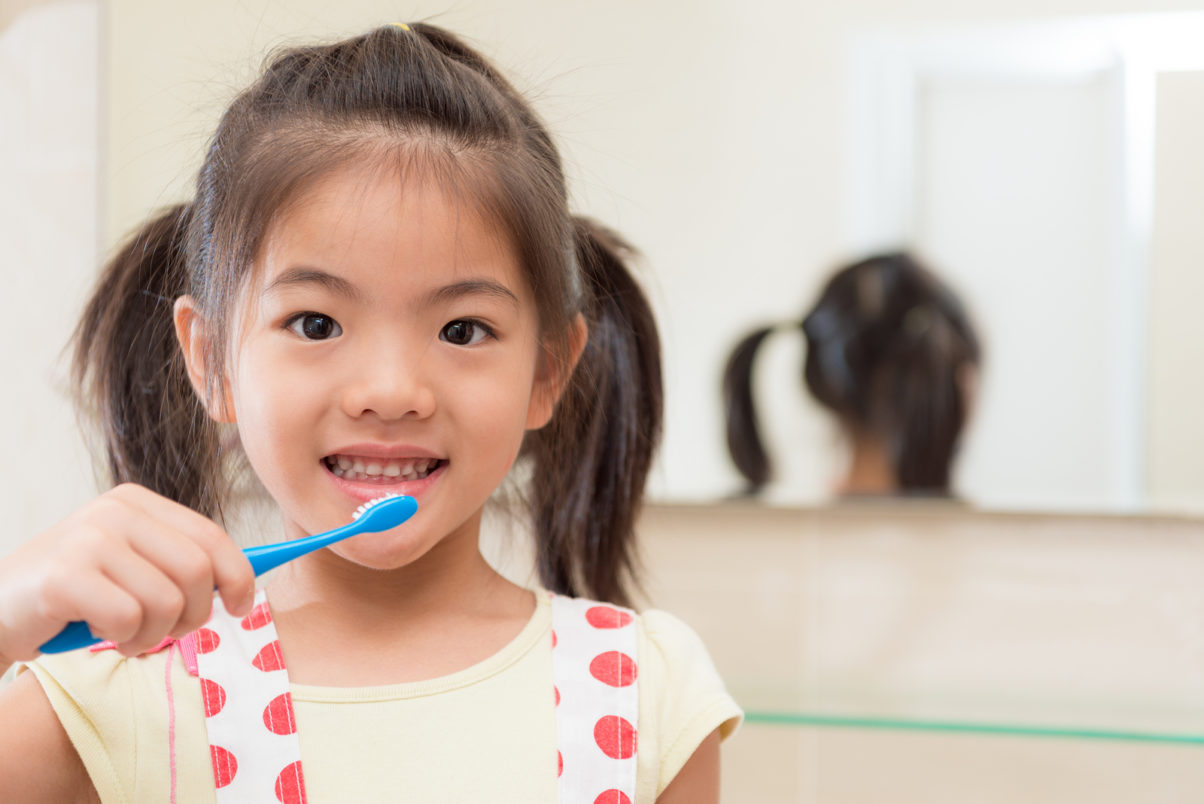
<point>381,470</point>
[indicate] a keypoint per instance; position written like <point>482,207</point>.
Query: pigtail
<point>131,372</point>
<point>744,443</point>
<point>590,463</point>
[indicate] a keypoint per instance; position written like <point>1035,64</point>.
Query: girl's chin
<point>376,551</point>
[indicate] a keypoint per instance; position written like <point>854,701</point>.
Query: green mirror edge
<point>802,719</point>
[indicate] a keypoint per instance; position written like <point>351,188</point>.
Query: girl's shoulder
<point>684,688</point>
<point>116,712</point>
<point>101,675</point>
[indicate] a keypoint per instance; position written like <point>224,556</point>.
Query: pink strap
<point>109,645</point>
<point>187,646</point>
<point>171,721</point>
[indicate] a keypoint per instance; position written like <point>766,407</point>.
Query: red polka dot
<point>614,668</point>
<point>557,691</point>
<point>258,618</point>
<point>213,696</point>
<point>615,736</point>
<point>559,763</point>
<point>554,637</point>
<point>224,765</point>
<point>613,797</point>
<point>278,715</point>
<point>207,640</point>
<point>270,658</point>
<point>290,785</point>
<point>607,617</point>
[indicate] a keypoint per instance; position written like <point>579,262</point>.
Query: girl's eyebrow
<point>303,276</point>
<point>472,287</point>
<point>339,285</point>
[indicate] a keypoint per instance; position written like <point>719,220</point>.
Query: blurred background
<point>1041,641</point>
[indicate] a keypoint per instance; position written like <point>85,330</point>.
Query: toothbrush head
<point>384,513</point>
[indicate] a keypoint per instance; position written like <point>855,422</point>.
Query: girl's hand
<point>133,564</point>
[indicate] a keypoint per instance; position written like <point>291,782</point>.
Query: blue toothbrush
<point>378,515</point>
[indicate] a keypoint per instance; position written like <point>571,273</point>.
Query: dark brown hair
<point>421,99</point>
<point>887,344</point>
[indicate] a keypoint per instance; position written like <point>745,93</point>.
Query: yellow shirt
<point>486,733</point>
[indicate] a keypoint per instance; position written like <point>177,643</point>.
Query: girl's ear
<point>552,376</point>
<point>192,331</point>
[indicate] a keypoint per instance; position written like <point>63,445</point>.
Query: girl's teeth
<point>355,469</point>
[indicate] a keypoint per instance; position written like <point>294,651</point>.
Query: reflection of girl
<point>891,352</point>
<point>378,288</point>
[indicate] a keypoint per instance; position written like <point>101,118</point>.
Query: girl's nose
<point>390,388</point>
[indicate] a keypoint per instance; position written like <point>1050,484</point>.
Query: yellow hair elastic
<point>401,25</point>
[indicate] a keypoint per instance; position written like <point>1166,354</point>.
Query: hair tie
<point>401,25</point>
<point>820,325</point>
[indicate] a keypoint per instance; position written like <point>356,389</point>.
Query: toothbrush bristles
<point>363,508</point>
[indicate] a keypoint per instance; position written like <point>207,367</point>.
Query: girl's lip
<point>364,491</point>
<point>386,451</point>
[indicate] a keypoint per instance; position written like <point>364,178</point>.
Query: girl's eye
<point>315,326</point>
<point>464,333</point>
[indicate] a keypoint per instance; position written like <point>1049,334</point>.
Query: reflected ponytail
<point>741,424</point>
<point>590,463</point>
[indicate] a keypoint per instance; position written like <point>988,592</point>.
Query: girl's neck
<point>870,471</point>
<point>343,624</point>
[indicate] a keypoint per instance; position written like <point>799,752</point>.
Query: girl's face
<point>387,342</point>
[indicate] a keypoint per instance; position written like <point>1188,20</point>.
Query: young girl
<point>377,288</point>
<point>892,353</point>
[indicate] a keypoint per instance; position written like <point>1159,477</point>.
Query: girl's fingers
<point>159,602</point>
<point>185,563</point>
<point>231,572</point>
<point>111,611</point>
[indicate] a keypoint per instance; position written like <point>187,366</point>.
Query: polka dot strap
<point>597,701</point>
<point>248,710</point>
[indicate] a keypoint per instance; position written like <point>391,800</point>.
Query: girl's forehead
<point>371,223</point>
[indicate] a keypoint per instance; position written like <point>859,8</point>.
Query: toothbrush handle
<point>75,635</point>
<point>269,556</point>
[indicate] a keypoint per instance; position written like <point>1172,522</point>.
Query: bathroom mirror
<point>1047,169</point>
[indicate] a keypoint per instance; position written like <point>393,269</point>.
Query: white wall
<point>48,234</point>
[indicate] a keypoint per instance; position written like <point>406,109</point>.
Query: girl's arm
<point>698,780</point>
<point>37,761</point>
